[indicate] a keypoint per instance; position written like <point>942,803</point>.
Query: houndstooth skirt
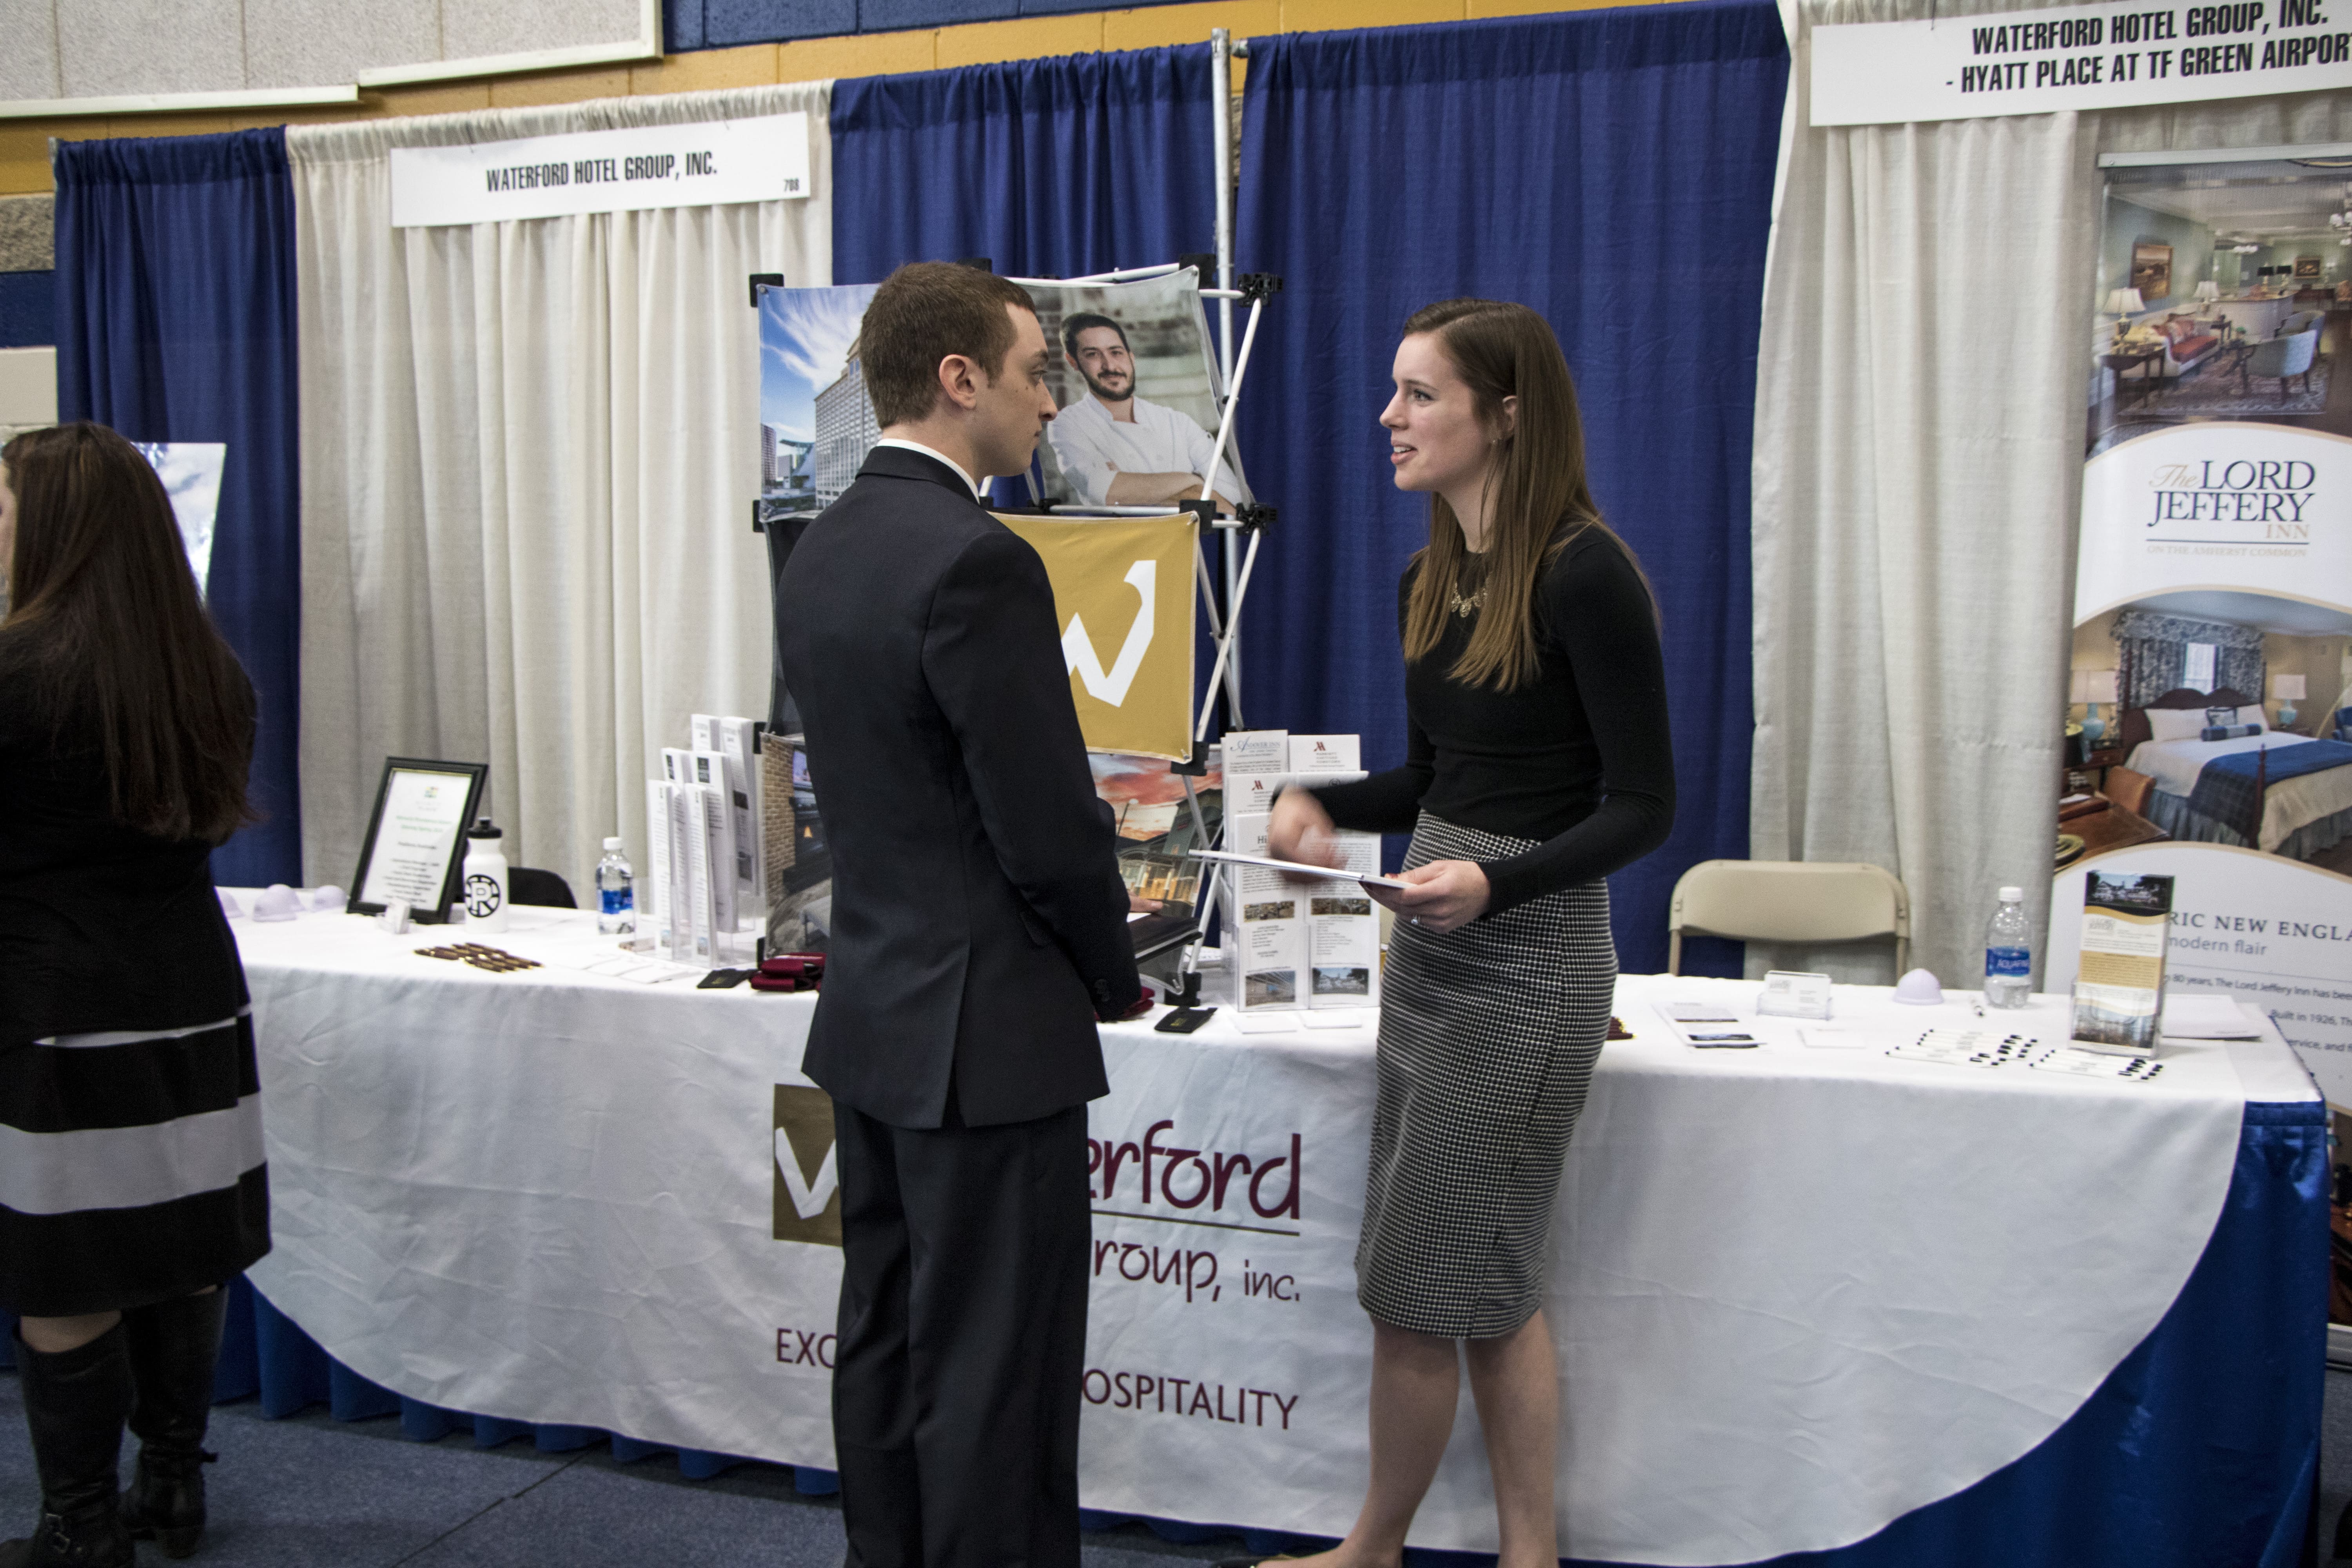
<point>1488,1037</point>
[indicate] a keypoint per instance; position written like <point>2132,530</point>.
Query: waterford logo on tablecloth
<point>808,1176</point>
<point>1156,1172</point>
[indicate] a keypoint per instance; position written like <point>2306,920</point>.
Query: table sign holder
<point>421,777</point>
<point>2119,987</point>
<point>1793,994</point>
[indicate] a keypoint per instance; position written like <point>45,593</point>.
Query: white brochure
<point>677,770</point>
<point>655,886</point>
<point>719,836</point>
<point>738,743</point>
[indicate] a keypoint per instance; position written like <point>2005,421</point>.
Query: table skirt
<point>2202,1447</point>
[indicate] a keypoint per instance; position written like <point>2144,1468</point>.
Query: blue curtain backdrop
<point>1611,169</point>
<point>175,322</point>
<point>1049,168</point>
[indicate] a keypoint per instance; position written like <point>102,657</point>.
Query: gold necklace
<point>1466,606</point>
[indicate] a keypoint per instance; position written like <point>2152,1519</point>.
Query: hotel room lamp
<point>2098,686</point>
<point>2289,690</point>
<point>2209,293</point>
<point>2125,304</point>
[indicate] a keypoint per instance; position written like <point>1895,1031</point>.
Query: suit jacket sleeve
<point>994,666</point>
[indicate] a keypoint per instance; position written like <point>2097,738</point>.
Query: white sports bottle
<point>485,878</point>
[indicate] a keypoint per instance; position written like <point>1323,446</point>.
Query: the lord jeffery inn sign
<point>703,164</point>
<point>2093,56</point>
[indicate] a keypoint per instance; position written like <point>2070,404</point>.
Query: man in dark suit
<point>979,933</point>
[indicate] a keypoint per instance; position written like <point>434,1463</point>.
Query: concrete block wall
<point>104,49</point>
<point>28,390</point>
<point>28,275</point>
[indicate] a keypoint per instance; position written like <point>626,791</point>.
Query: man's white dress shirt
<point>1093,449</point>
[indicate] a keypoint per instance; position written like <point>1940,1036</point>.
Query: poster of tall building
<point>846,431</point>
<point>816,425</point>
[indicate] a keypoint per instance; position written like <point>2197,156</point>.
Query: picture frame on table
<point>414,847</point>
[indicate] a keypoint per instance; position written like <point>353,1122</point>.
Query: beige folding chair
<point>1789,900</point>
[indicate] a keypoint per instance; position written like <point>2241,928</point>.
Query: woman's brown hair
<point>108,641</point>
<point>1535,485</point>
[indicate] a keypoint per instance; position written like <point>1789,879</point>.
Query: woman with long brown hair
<point>1538,762</point>
<point>131,1180</point>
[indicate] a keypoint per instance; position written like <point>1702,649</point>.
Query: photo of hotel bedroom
<point>2224,292</point>
<point>2213,716</point>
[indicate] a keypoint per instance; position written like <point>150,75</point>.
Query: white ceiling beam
<point>178,102</point>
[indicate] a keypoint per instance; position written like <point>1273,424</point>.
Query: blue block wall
<point>725,23</point>
<point>27,310</point>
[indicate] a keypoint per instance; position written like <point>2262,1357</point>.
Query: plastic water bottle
<point>2009,954</point>
<point>616,898</point>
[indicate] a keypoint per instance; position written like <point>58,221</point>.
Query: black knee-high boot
<point>172,1347</point>
<point>75,1402</point>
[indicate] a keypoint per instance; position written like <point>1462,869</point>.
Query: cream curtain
<point>1919,437</point>
<point>528,455</point>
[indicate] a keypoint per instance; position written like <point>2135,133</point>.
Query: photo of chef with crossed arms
<point>1115,447</point>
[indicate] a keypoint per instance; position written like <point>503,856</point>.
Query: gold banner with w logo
<point>1123,595</point>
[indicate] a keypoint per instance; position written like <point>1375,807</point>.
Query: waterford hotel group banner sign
<point>2092,57</point>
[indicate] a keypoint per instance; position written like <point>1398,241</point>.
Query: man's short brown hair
<point>923,312</point>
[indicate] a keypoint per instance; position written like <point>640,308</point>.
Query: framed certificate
<point>415,840</point>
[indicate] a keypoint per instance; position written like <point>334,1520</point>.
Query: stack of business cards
<point>2074,1060</point>
<point>1967,1048</point>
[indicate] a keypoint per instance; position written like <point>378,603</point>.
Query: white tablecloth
<point>1797,1293</point>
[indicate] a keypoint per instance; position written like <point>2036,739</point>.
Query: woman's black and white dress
<point>131,1157</point>
<point>1490,1034</point>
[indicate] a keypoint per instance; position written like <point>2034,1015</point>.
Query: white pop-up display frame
<point>1250,521</point>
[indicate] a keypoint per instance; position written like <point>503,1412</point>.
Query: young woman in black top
<point>1537,762</point>
<point>131,1179</point>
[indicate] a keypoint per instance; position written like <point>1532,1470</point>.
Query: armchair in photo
<point>2280,359</point>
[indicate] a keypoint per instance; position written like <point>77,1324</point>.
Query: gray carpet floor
<point>310,1490</point>
<point>2335,1469</point>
